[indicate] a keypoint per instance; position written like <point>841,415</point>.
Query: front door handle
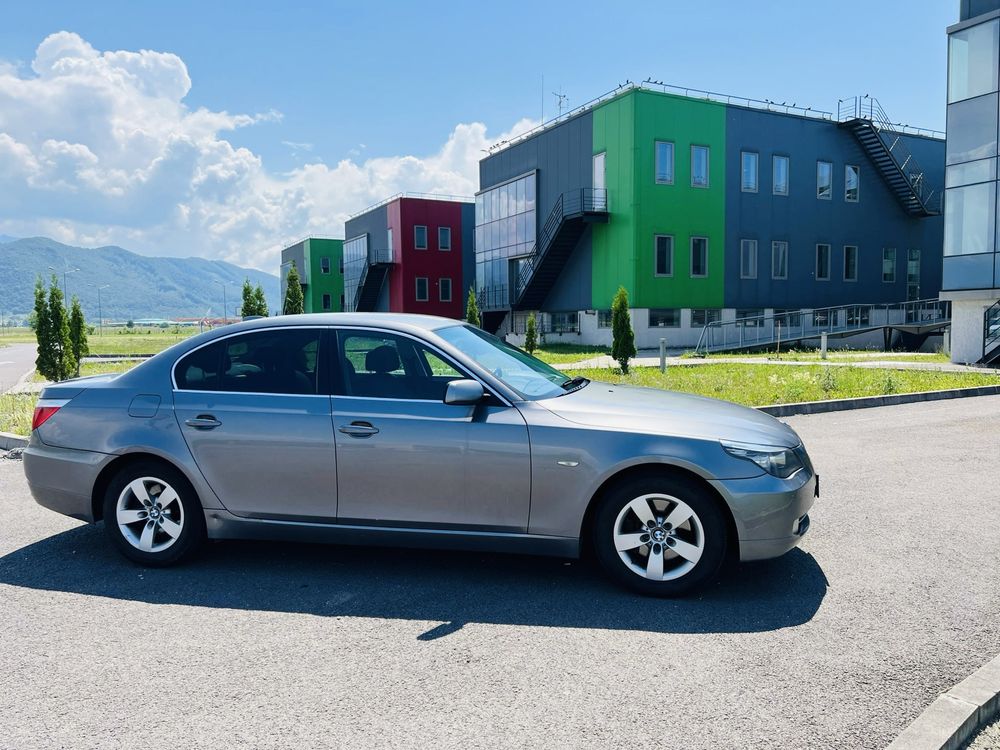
<point>359,429</point>
<point>203,422</point>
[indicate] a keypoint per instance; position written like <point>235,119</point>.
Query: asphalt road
<point>892,599</point>
<point>15,361</point>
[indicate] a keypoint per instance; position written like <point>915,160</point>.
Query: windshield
<point>529,377</point>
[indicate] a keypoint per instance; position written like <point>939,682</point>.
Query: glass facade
<point>970,203</point>
<point>505,232</point>
<point>355,258</point>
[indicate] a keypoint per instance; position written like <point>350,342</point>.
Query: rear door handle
<point>359,429</point>
<point>203,422</point>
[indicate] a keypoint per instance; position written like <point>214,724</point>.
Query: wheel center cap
<point>659,535</point>
<point>154,513</point>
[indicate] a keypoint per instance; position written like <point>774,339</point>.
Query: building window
<point>422,294</point>
<point>666,318</point>
<point>822,262</point>
<point>824,180</point>
<point>750,318</point>
<point>748,172</point>
<point>565,322</point>
<point>699,257</point>
<point>604,319</point>
<point>748,259</point>
<point>664,245</point>
<point>889,265</point>
<point>704,317</point>
<point>444,290</point>
<point>699,166</point>
<point>779,260</point>
<point>972,61</point>
<point>420,237</point>
<point>969,219</point>
<point>664,166</point>
<point>327,302</point>
<point>503,236</point>
<point>850,262</point>
<point>912,274</point>
<point>341,302</point>
<point>852,183</point>
<point>779,177</point>
<point>341,264</point>
<point>444,238</point>
<point>324,265</point>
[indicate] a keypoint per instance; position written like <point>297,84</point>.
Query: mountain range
<point>138,286</point>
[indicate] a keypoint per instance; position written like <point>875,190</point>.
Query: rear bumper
<point>771,514</point>
<point>63,480</point>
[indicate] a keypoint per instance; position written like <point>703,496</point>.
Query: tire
<point>152,514</point>
<point>660,536</point>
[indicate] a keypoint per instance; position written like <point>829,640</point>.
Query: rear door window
<point>199,370</point>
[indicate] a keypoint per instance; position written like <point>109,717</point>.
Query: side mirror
<point>464,392</point>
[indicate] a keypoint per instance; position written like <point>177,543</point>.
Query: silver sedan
<point>415,431</point>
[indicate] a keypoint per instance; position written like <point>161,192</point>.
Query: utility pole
<point>100,310</point>
<point>225,303</point>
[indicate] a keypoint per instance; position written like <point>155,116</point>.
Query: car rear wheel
<point>660,536</point>
<point>153,515</point>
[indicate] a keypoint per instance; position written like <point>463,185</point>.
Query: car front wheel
<point>152,514</point>
<point>660,536</point>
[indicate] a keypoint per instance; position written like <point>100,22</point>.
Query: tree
<point>623,337</point>
<point>260,301</point>
<point>78,333</point>
<point>45,360</point>
<point>249,303</point>
<point>294,301</point>
<point>472,309</point>
<point>531,335</point>
<point>60,342</point>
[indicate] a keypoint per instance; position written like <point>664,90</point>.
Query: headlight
<point>780,462</point>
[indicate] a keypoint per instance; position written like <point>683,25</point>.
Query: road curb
<point>868,402</point>
<point>956,715</point>
<point>9,441</point>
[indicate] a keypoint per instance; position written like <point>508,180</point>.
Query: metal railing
<point>856,107</point>
<point>569,204</point>
<point>767,329</point>
<point>991,327</point>
<point>494,297</point>
<point>421,196</point>
<point>867,108</point>
<point>375,257</point>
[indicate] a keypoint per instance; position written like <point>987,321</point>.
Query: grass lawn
<point>16,411</point>
<point>812,355</point>
<point>144,341</point>
<point>560,354</point>
<point>762,385</point>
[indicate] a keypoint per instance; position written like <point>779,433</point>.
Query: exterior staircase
<point>373,276</point>
<point>883,142</point>
<point>538,271</point>
<point>991,336</point>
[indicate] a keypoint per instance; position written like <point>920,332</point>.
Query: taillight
<point>44,410</point>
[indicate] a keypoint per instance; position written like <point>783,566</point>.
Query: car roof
<point>401,321</point>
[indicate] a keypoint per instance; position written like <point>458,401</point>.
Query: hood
<point>660,412</point>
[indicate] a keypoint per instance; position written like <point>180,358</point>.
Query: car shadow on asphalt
<point>453,588</point>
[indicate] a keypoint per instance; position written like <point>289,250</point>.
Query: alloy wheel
<point>659,537</point>
<point>150,514</point>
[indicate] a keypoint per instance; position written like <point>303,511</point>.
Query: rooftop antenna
<point>561,100</point>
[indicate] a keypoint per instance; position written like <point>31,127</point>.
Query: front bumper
<point>63,480</point>
<point>771,514</point>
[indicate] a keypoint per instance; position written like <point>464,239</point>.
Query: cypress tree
<point>249,305</point>
<point>45,360</point>
<point>531,335</point>
<point>61,345</point>
<point>472,309</point>
<point>78,333</point>
<point>623,337</point>
<point>260,302</point>
<point>294,301</point>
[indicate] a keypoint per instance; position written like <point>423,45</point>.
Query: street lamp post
<point>100,310</point>
<point>225,303</point>
<point>65,273</point>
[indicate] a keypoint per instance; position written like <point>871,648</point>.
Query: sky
<point>228,130</point>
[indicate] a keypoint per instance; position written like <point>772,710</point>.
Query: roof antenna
<point>561,100</point>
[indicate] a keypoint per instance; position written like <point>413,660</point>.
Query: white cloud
<point>99,147</point>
